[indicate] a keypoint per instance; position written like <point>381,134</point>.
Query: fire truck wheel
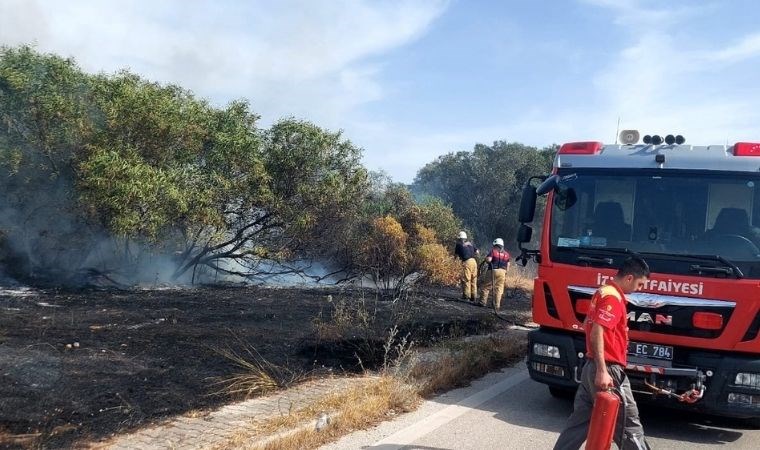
<point>561,392</point>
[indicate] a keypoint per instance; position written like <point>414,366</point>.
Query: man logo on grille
<point>659,319</point>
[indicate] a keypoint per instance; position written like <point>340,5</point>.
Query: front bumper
<point>693,367</point>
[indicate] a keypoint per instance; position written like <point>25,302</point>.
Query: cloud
<point>746,48</point>
<point>663,83</point>
<point>658,82</point>
<point>306,58</point>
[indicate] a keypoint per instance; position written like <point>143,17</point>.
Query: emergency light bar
<point>629,137</point>
<point>581,148</point>
<point>747,149</point>
<point>669,139</point>
<point>655,140</point>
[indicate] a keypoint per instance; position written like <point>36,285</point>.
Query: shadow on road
<point>535,408</point>
<point>691,427</point>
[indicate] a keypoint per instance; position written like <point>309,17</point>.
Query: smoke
<point>35,225</point>
<point>53,247</point>
<point>273,273</point>
<point>49,237</point>
<point>46,239</point>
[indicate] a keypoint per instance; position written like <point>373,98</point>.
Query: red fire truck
<point>693,213</point>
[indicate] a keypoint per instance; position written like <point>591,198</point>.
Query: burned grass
<point>77,367</point>
<point>466,360</point>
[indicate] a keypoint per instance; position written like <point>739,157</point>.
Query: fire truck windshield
<point>671,217</point>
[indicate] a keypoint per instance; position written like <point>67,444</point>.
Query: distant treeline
<point>484,186</point>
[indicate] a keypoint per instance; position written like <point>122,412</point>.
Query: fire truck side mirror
<point>527,204</point>
<point>548,185</point>
<point>524,234</point>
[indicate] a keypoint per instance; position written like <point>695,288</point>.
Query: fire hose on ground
<point>493,289</point>
<point>690,396</point>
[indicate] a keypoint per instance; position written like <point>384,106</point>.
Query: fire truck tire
<point>562,392</point>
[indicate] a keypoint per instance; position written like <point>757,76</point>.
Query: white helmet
<point>499,242</point>
<point>462,235</point>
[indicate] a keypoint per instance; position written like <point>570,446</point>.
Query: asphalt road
<point>507,410</point>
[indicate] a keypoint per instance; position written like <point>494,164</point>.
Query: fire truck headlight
<point>748,379</point>
<point>548,351</point>
<point>743,399</point>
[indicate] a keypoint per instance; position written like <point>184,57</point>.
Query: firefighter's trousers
<point>576,428</point>
<point>496,280</point>
<point>470,279</point>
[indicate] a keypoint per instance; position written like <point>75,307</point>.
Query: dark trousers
<point>576,428</point>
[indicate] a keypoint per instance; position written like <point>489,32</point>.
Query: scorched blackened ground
<point>81,366</point>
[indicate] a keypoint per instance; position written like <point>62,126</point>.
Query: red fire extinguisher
<point>603,417</point>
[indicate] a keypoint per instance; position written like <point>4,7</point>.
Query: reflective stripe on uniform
<point>606,290</point>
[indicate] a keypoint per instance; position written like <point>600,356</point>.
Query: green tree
<point>46,122</point>
<point>103,174</point>
<point>136,169</point>
<point>397,240</point>
<point>140,175</point>
<point>484,186</point>
<point>316,179</point>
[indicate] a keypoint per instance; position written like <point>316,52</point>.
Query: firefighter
<point>606,328</point>
<point>467,251</point>
<point>498,264</point>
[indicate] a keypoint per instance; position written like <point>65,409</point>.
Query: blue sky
<point>411,80</point>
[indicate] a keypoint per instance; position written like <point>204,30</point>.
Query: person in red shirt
<point>498,264</point>
<point>606,328</point>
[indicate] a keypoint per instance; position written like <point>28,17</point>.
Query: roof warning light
<point>747,149</point>
<point>581,148</point>
<point>669,139</point>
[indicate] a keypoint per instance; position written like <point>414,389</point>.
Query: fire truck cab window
<point>613,209</point>
<point>667,213</point>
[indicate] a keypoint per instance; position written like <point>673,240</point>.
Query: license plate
<point>656,351</point>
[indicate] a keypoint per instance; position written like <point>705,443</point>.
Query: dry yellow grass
<point>382,397</point>
<point>257,376</point>
<point>195,413</point>
<point>465,362</point>
<point>21,440</point>
<point>357,408</point>
<point>521,279</point>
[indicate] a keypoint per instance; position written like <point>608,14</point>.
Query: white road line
<point>432,422</point>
